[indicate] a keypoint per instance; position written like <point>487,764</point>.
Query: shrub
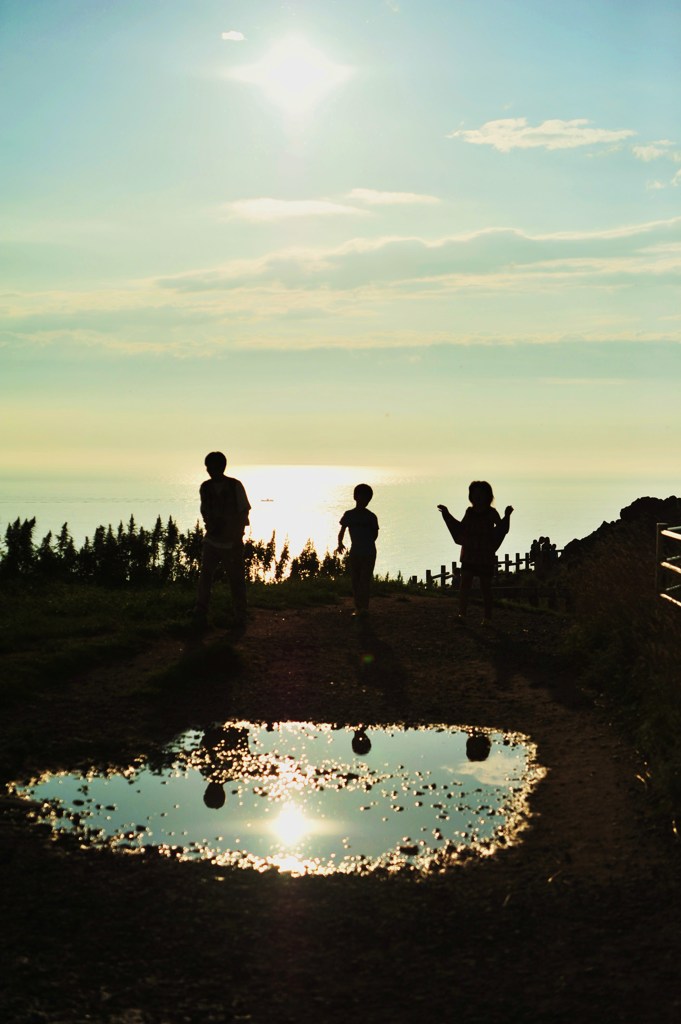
<point>630,643</point>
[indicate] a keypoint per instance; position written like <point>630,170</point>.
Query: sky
<point>382,232</point>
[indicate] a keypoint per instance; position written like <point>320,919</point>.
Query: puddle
<point>306,798</point>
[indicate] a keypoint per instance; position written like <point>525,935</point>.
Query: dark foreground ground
<point>579,922</point>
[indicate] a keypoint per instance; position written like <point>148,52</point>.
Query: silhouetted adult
<point>224,510</point>
<point>221,756</point>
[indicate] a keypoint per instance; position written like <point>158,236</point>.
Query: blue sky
<point>382,232</point>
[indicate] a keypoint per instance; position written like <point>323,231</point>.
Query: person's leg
<point>237,580</point>
<point>486,588</point>
<point>210,559</point>
<point>464,591</point>
<point>365,577</point>
<point>354,564</point>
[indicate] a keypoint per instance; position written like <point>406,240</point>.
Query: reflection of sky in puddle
<point>306,798</point>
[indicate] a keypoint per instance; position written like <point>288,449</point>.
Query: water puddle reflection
<point>306,798</point>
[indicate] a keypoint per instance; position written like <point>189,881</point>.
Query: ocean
<point>306,502</point>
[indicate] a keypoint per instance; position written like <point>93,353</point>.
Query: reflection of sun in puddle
<point>290,825</point>
<point>306,798</point>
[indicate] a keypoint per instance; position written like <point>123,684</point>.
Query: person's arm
<point>205,504</point>
<point>243,506</point>
<point>452,524</point>
<point>341,545</point>
<point>503,526</point>
<point>244,521</point>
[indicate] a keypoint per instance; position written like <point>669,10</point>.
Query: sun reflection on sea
<point>302,502</point>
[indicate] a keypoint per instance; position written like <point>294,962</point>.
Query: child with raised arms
<point>480,534</point>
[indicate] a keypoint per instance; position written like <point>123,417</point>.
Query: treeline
<point>134,555</point>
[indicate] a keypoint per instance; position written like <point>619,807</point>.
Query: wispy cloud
<point>382,292</point>
<point>485,257</point>
<point>233,36</point>
<point>515,133</point>
<point>653,151</point>
<point>374,197</point>
<point>266,208</point>
<point>492,772</point>
<point>662,150</point>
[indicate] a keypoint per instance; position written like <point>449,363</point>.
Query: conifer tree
<point>306,564</point>
<point>19,555</point>
<point>282,563</point>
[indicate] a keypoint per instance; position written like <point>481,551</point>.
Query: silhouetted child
<point>480,534</point>
<point>361,744</point>
<point>224,509</point>
<point>478,746</point>
<point>363,527</point>
<point>214,796</point>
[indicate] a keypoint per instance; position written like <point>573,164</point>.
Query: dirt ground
<point>578,922</point>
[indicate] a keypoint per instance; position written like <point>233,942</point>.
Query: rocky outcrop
<point>643,513</point>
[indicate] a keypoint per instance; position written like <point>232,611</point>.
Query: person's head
<point>480,494</point>
<point>214,796</point>
<point>478,746</point>
<point>361,744</point>
<point>362,495</point>
<point>215,463</point>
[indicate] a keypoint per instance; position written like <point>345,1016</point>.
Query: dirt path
<point>578,923</point>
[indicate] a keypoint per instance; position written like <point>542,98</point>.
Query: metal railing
<point>668,563</point>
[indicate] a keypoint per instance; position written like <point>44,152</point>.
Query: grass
<point>51,630</point>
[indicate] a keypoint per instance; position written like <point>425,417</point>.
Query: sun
<point>294,75</point>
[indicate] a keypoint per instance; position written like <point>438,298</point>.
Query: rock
<point>643,512</point>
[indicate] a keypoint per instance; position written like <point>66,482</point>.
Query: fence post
<point>659,555</point>
<point>504,565</point>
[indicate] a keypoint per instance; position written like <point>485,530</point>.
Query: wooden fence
<point>504,565</point>
<point>668,563</point>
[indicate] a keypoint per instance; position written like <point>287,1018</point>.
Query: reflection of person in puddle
<point>222,749</point>
<point>478,746</point>
<point>214,797</point>
<point>361,744</point>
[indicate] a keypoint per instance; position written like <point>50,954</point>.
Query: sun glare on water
<point>294,75</point>
<point>291,825</point>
